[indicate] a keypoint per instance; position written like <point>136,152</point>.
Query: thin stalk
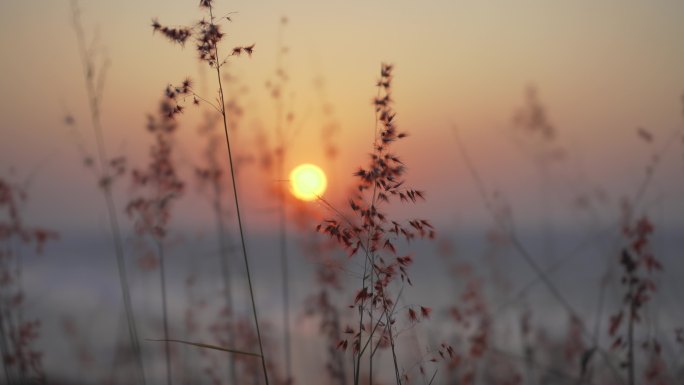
<point>17,319</point>
<point>284,260</point>
<point>120,355</point>
<point>543,367</point>
<point>225,269</point>
<point>387,324</point>
<point>13,335</point>
<point>3,348</point>
<point>94,92</point>
<point>369,341</point>
<point>522,252</point>
<point>368,247</point>
<point>20,280</point>
<point>285,276</point>
<point>167,346</point>
<point>6,328</point>
<point>372,303</point>
<point>394,352</point>
<point>337,356</point>
<point>597,325</point>
<point>241,228</point>
<point>357,364</point>
<point>369,256</point>
<point>630,336</point>
<point>237,210</point>
<point>527,352</point>
<point>548,249</point>
<point>388,328</point>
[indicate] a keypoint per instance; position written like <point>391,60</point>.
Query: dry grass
<point>361,297</point>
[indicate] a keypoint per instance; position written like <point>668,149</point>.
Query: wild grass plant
<point>211,176</point>
<point>106,170</point>
<point>158,187</point>
<point>207,35</point>
<point>22,360</point>
<point>370,232</point>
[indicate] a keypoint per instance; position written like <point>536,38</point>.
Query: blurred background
<point>562,112</point>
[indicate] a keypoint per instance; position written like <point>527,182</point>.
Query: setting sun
<point>308,181</point>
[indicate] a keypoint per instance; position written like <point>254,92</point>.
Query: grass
<point>22,360</point>
<point>370,232</point>
<point>94,75</point>
<point>208,39</point>
<point>362,318</point>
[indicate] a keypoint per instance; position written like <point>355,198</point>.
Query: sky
<point>601,69</point>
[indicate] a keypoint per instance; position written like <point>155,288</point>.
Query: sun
<point>308,182</point>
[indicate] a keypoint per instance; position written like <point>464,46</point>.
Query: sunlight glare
<point>308,182</point>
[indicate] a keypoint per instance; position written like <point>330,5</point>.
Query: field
<point>302,192</point>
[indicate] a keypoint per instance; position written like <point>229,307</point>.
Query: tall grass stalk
<point>4,349</point>
<point>285,266</point>
<point>18,335</point>
<point>520,249</point>
<point>158,185</point>
<point>281,154</point>
<point>224,256</point>
<point>373,235</point>
<point>94,80</point>
<point>207,36</point>
<point>240,226</point>
<point>212,174</point>
<point>368,247</point>
<point>217,67</point>
<point>165,316</point>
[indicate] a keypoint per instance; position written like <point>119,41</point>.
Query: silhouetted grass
<point>359,296</point>
<point>109,169</point>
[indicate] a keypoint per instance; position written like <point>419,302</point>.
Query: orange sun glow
<point>307,182</point>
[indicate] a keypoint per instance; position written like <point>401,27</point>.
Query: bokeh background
<point>608,74</point>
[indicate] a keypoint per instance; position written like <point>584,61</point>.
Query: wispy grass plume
<point>207,35</point>
<point>94,75</point>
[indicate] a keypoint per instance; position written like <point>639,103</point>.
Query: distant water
<point>77,280</point>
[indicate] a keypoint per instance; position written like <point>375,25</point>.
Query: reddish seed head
<point>342,345</point>
<point>412,315</point>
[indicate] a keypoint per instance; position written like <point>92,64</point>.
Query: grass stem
<point>237,210</point>
<point>165,317</point>
<point>94,93</point>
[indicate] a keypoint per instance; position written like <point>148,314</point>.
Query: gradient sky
<point>602,69</point>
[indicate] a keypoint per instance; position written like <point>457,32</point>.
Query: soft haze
<point>609,75</point>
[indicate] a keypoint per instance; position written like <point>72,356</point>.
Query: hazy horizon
<point>600,73</point>
<point>531,125</point>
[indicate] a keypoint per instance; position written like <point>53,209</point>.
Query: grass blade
<point>208,346</point>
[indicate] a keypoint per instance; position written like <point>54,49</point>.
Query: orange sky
<point>602,69</point>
